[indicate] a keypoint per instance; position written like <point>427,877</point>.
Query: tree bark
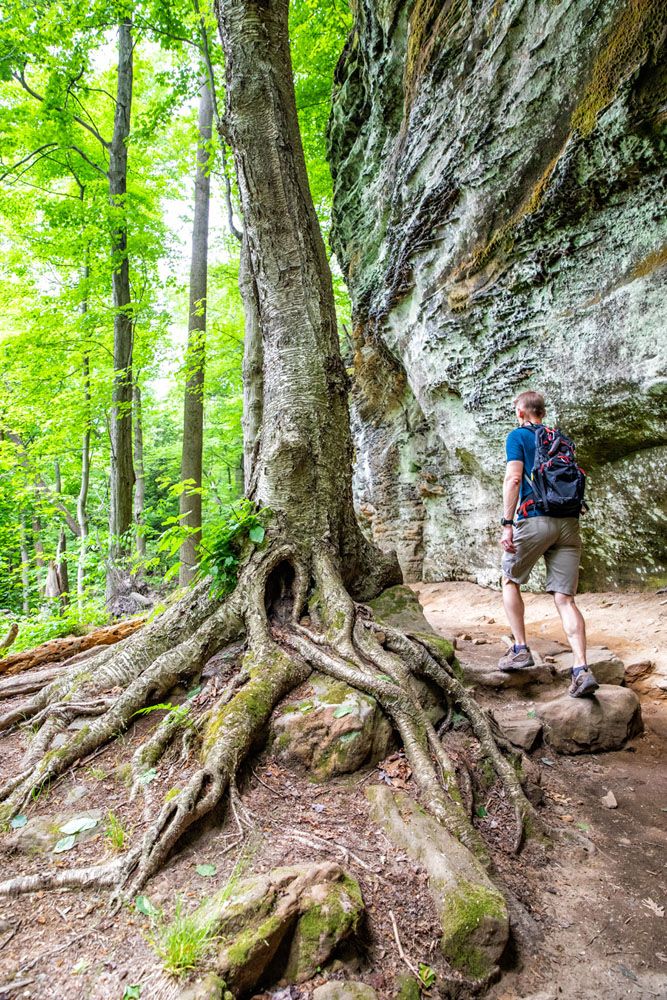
<point>140,488</point>
<point>193,407</point>
<point>82,499</point>
<point>253,379</point>
<point>25,568</point>
<point>122,473</point>
<point>57,577</point>
<point>304,458</point>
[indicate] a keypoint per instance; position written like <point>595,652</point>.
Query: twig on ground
<point>404,959</point>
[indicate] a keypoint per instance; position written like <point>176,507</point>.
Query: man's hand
<point>507,539</point>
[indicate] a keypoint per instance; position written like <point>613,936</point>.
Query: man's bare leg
<point>514,609</point>
<point>574,626</point>
<point>583,683</point>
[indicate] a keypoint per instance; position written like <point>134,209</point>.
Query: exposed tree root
<point>337,637</point>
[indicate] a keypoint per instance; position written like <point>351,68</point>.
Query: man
<point>534,534</point>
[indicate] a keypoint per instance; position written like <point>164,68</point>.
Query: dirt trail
<point>603,914</point>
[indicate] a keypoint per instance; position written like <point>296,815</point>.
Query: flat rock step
<point>586,725</point>
<point>522,733</point>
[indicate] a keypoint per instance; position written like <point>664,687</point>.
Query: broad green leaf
<point>79,824</point>
<point>132,993</point>
<point>18,822</point>
<point>344,710</point>
<point>65,844</point>
<point>148,776</point>
<point>144,905</point>
<point>206,870</point>
<point>256,534</point>
<point>481,811</point>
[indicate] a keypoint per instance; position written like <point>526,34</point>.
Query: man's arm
<point>511,488</point>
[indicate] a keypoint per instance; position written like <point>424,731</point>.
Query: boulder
<point>522,733</point>
<point>42,833</point>
<point>586,725</point>
<point>288,921</point>
<point>606,666</point>
<point>209,987</point>
<point>333,730</point>
<point>472,911</point>
<point>344,991</point>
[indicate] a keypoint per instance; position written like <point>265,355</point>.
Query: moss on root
<point>464,911</point>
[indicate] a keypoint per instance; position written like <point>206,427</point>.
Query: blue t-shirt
<point>520,447</point>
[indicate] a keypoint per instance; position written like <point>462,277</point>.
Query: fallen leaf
<point>343,710</point>
<point>144,905</point>
<point>79,824</point>
<point>65,844</point>
<point>206,870</point>
<point>148,776</point>
<point>651,905</point>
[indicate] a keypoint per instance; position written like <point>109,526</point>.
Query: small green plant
<point>226,540</point>
<point>426,975</point>
<point>115,833</point>
<point>181,943</point>
<point>97,773</point>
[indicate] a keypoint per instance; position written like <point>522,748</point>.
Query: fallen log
<point>63,649</point>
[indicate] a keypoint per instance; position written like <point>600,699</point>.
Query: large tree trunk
<point>193,406</point>
<point>122,473</point>
<point>57,576</point>
<point>303,466</point>
<point>25,568</point>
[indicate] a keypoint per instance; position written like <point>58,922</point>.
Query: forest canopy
<point>59,315</point>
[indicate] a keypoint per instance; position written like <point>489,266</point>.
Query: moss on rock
<point>466,915</point>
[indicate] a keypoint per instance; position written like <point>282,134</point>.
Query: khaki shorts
<point>555,538</point>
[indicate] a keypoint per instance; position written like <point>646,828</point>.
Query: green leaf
<point>531,713</point>
<point>18,822</point>
<point>144,905</point>
<point>206,870</point>
<point>148,776</point>
<point>65,844</point>
<point>343,710</point>
<point>79,824</point>
<point>256,534</point>
<point>481,812</point>
<point>193,692</point>
<point>132,993</point>
<point>583,826</point>
<point>386,677</point>
<point>427,975</point>
<point>348,737</point>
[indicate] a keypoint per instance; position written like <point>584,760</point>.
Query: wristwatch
<point>505,521</point>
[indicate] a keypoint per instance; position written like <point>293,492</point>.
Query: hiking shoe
<point>516,660</point>
<point>584,684</point>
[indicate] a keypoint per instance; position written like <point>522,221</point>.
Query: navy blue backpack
<point>558,483</point>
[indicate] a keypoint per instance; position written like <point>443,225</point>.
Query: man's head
<point>530,406</point>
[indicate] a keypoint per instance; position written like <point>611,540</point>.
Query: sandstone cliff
<point>500,190</point>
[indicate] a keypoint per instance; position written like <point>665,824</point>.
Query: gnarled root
<point>280,652</point>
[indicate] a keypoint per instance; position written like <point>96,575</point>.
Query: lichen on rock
<point>497,175</point>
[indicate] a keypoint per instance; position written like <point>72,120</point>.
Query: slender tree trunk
<point>82,499</point>
<point>25,568</point>
<point>193,408</point>
<point>57,577</point>
<point>122,473</point>
<point>40,562</point>
<point>303,465</point>
<point>140,487</point>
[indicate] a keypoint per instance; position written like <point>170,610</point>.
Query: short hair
<point>531,402</point>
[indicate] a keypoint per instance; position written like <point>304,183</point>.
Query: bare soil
<point>590,923</point>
